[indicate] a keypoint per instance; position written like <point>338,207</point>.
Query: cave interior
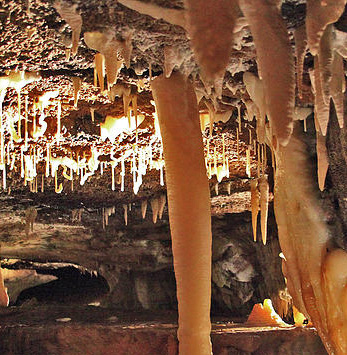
<point>173,177</point>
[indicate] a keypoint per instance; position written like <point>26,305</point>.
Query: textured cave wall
<point>336,179</point>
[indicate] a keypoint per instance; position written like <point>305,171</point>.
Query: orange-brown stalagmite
<point>189,209</point>
<point>272,44</point>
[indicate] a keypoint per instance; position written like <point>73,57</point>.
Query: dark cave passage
<point>73,285</point>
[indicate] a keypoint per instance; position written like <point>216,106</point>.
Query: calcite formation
<point>132,104</point>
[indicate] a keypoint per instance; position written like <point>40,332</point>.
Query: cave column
<point>189,209</point>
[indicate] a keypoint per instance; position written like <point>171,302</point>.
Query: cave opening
<point>52,283</point>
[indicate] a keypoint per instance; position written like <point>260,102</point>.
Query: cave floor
<point>95,330</point>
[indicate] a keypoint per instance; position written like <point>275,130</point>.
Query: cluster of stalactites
<point>112,53</point>
<point>327,83</point>
<point>260,201</point>
<point>157,205</point>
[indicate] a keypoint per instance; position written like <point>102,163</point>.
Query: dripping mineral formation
<point>144,146</point>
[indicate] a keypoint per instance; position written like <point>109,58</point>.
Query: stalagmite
<point>264,315</point>
<point>299,318</point>
<point>211,47</point>
<point>263,187</point>
<point>189,209</point>
<point>272,45</point>
<point>155,209</point>
<point>318,15</point>
<point>255,202</point>
<point>300,51</point>
<point>99,63</point>
<point>143,208</point>
<point>322,160</point>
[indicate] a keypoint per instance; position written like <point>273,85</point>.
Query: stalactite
<point>272,45</point>
<point>255,89</point>
<point>325,60</point>
<point>126,47</point>
<point>302,233</point>
<point>318,15</point>
<point>122,175</point>
<point>162,203</point>
<point>125,208</point>
<point>258,161</point>
<point>189,209</point>
<point>57,189</point>
<point>143,208</point>
<point>263,187</point>
<point>211,47</point>
<point>99,64</point>
<point>248,162</point>
<point>74,20</point>
<point>322,160</point>
<point>108,45</point>
<point>77,83</point>
<point>321,108</point>
<point>58,122</point>
<point>173,58</point>
<point>255,202</point>
<point>338,86</point>
<point>155,209</point>
<point>237,144</point>
<point>239,117</point>
<point>300,51</point>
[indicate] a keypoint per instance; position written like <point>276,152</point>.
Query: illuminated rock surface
<point>84,182</point>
